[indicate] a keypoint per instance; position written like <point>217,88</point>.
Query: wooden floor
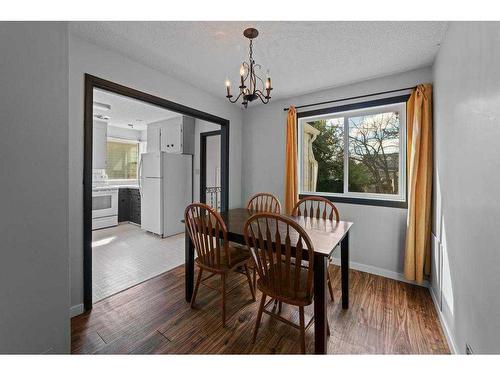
<point>385,316</point>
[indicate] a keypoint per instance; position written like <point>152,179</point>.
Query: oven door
<point>104,203</point>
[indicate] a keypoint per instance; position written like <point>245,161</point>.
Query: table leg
<point>189,266</point>
<point>344,269</point>
<point>320,313</point>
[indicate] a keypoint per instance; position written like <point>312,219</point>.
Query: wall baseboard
<point>76,310</point>
<point>446,329</point>
<point>380,272</point>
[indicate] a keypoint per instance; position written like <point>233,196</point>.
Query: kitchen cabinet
<point>123,205</point>
<point>129,205</point>
<point>175,135</point>
<point>171,137</point>
<point>99,145</point>
<point>153,138</point>
<point>135,206</point>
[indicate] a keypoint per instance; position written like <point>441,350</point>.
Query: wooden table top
<point>325,234</point>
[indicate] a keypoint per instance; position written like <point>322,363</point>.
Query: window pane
<point>374,153</point>
<point>122,160</point>
<point>323,155</point>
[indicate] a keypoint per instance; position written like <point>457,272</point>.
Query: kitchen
<point>143,158</point>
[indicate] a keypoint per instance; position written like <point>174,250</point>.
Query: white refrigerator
<point>165,181</point>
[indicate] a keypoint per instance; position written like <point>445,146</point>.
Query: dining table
<point>325,236</point>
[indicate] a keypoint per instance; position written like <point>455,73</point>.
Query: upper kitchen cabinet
<point>153,137</point>
<point>100,139</point>
<point>175,135</point>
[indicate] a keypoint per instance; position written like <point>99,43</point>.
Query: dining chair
<point>215,254</point>
<point>319,208</point>
<point>277,244</point>
<point>264,202</point>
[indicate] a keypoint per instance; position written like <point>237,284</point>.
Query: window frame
<point>129,141</point>
<point>352,110</point>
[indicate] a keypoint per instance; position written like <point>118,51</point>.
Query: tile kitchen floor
<point>126,255</point>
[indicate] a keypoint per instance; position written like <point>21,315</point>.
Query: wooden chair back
<point>274,241</point>
<point>264,202</point>
<point>208,234</point>
<point>316,207</point>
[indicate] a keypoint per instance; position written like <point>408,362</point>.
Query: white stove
<point>104,206</point>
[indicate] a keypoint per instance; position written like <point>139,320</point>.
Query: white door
<point>153,139</point>
<point>151,205</point>
<point>212,167</point>
<point>99,145</point>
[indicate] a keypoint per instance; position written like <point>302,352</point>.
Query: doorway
<point>132,197</point>
<point>210,167</point>
<point>92,83</point>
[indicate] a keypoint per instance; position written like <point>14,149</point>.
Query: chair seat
<point>286,291</point>
<point>238,256</point>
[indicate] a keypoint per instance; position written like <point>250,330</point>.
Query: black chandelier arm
<point>235,100</point>
<point>261,81</point>
<point>247,68</point>
<point>261,96</point>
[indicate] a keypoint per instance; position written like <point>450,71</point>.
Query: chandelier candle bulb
<point>242,74</point>
<point>268,83</point>
<point>228,88</point>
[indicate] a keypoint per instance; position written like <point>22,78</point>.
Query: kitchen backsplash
<point>99,176</point>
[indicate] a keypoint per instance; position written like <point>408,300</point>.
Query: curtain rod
<point>352,97</point>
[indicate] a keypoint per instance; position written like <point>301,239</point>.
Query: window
<point>122,160</point>
<point>356,152</point>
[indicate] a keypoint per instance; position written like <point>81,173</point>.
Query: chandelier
<point>252,86</point>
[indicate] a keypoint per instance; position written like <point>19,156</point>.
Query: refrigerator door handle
<point>140,176</point>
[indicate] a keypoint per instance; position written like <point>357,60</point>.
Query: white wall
<point>377,240</point>
<point>34,255</point>
<point>467,180</point>
<point>85,57</point>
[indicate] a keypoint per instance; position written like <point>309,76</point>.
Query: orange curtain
<point>419,170</point>
<point>291,192</point>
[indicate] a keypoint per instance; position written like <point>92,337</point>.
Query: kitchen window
<point>122,159</point>
<point>355,153</point>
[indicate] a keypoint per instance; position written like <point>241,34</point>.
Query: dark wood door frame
<point>203,163</point>
<point>91,83</point>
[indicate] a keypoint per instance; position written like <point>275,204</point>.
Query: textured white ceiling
<point>125,111</point>
<point>301,56</point>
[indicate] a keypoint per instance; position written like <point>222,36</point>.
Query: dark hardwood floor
<point>385,316</point>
